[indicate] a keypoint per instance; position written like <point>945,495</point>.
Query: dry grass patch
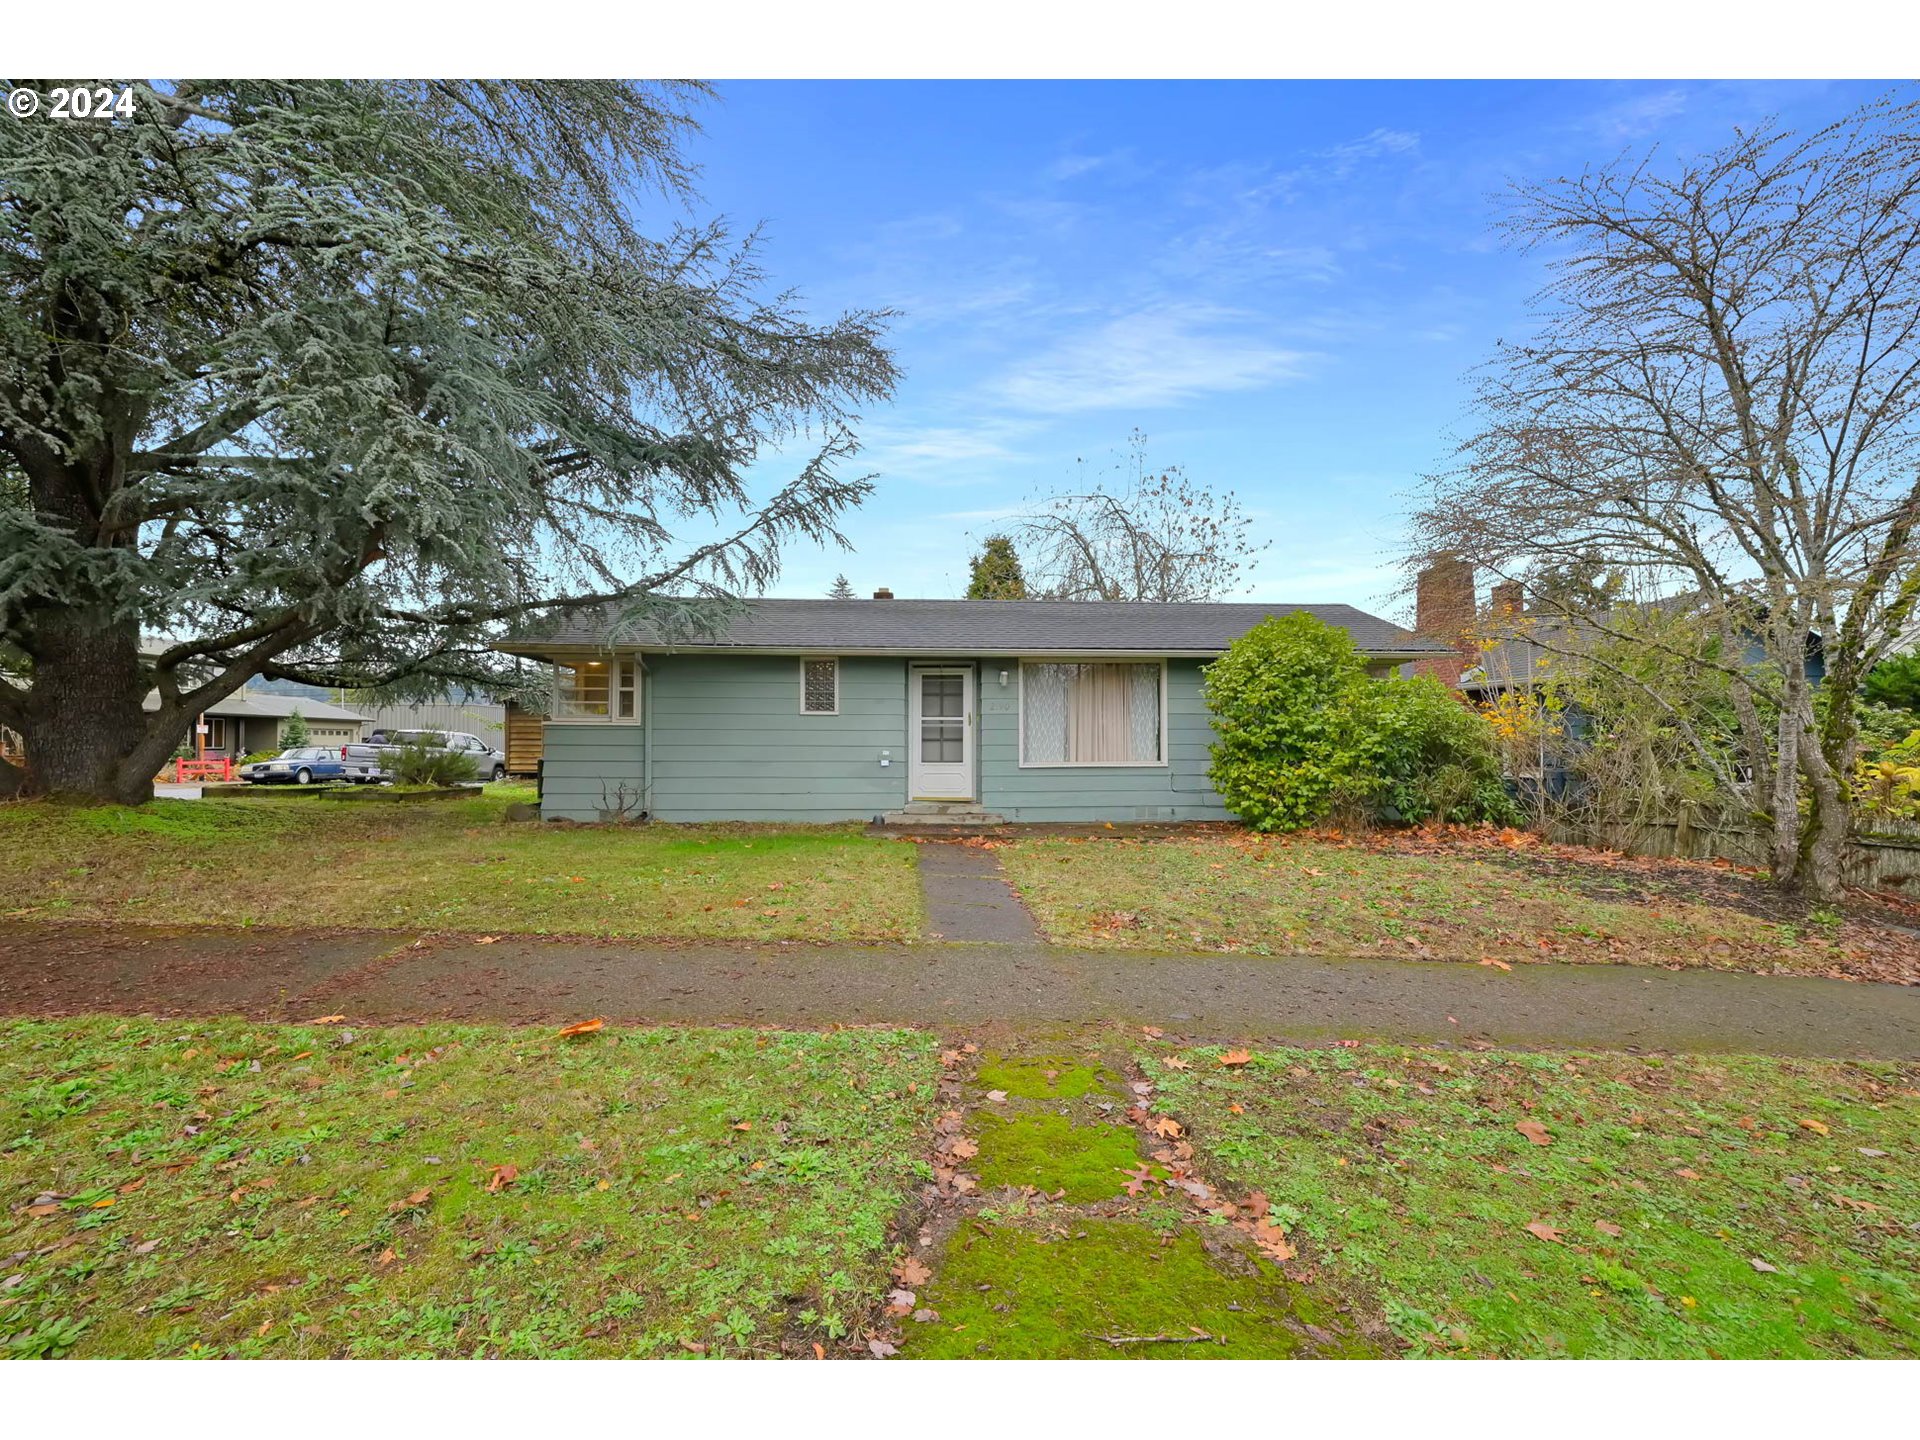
<point>1461,899</point>
<point>449,865</point>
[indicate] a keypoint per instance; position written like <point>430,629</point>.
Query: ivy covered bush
<point>1304,735</point>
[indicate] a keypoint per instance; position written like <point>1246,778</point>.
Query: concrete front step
<point>928,813</point>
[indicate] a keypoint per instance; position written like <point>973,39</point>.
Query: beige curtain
<point>1092,714</point>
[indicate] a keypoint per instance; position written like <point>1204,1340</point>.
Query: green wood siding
<point>586,766</point>
<point>1178,790</point>
<point>730,743</point>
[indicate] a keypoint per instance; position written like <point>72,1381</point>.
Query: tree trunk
<point>1783,862</point>
<point>86,735</point>
<point>1827,755</point>
<point>1818,876</point>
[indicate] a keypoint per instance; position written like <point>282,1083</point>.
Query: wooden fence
<point>189,772</point>
<point>1885,858</point>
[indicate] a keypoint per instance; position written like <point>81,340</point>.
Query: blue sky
<point>1284,285</point>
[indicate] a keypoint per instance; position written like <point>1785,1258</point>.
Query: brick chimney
<point>1443,610</point>
<point>883,593</point>
<point>1506,599</point>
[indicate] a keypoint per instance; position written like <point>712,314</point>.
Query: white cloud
<point>1639,115</point>
<point>938,445</point>
<point>1156,356</point>
<point>1071,167</point>
<point>973,517</point>
<point>1371,146</point>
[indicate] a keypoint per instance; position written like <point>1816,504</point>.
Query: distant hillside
<point>290,687</point>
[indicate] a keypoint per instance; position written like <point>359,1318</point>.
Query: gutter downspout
<point>646,733</point>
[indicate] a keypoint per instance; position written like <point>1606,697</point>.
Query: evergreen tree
<point>335,380</point>
<point>841,589</point>
<point>996,572</point>
<point>295,733</point>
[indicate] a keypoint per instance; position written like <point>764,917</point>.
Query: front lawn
<point>1466,898</point>
<point>1581,1205</point>
<point>237,1189</point>
<point>448,865</point>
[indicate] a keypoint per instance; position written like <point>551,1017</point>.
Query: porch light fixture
<point>1003,679</point>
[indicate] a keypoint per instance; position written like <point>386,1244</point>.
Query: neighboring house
<point>253,720</point>
<point>1537,648</point>
<point>818,710</point>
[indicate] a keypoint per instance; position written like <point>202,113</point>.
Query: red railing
<point>187,771</point>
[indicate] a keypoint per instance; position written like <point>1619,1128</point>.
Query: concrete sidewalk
<point>969,898</point>
<point>387,976</point>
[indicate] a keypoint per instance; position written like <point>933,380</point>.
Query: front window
<point>1091,714</point>
<point>597,690</point>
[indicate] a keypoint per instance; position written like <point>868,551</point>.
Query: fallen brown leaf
<point>1535,1131</point>
<point>1540,1230</point>
<point>502,1176</point>
<point>581,1027</point>
<point>1236,1057</point>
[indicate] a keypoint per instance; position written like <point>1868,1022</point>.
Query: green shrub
<point>1281,699</point>
<point>294,733</point>
<point>424,764</point>
<point>1427,756</point>
<point>1895,682</point>
<point>1304,733</point>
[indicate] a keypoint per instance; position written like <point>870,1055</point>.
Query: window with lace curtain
<point>1094,713</point>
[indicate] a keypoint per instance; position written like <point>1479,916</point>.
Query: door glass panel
<point>943,739</point>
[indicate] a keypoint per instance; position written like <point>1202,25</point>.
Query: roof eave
<point>557,651</point>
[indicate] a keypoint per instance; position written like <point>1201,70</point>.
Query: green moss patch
<point>1050,1152</point>
<point>1040,1078</point>
<point>1011,1294</point>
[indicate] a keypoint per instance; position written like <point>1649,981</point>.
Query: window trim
<point>806,660</point>
<point>618,666</point>
<point>1165,762</point>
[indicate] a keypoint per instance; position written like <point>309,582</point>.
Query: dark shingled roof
<point>984,627</point>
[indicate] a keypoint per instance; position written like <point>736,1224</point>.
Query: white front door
<point>940,732</point>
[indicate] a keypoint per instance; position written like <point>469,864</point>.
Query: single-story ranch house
<point>253,720</point>
<point>818,710</point>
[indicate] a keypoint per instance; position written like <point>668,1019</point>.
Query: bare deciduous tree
<point>1145,536</point>
<point>1723,401</point>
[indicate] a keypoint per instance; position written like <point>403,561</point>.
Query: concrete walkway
<point>384,976</point>
<point>969,899</point>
